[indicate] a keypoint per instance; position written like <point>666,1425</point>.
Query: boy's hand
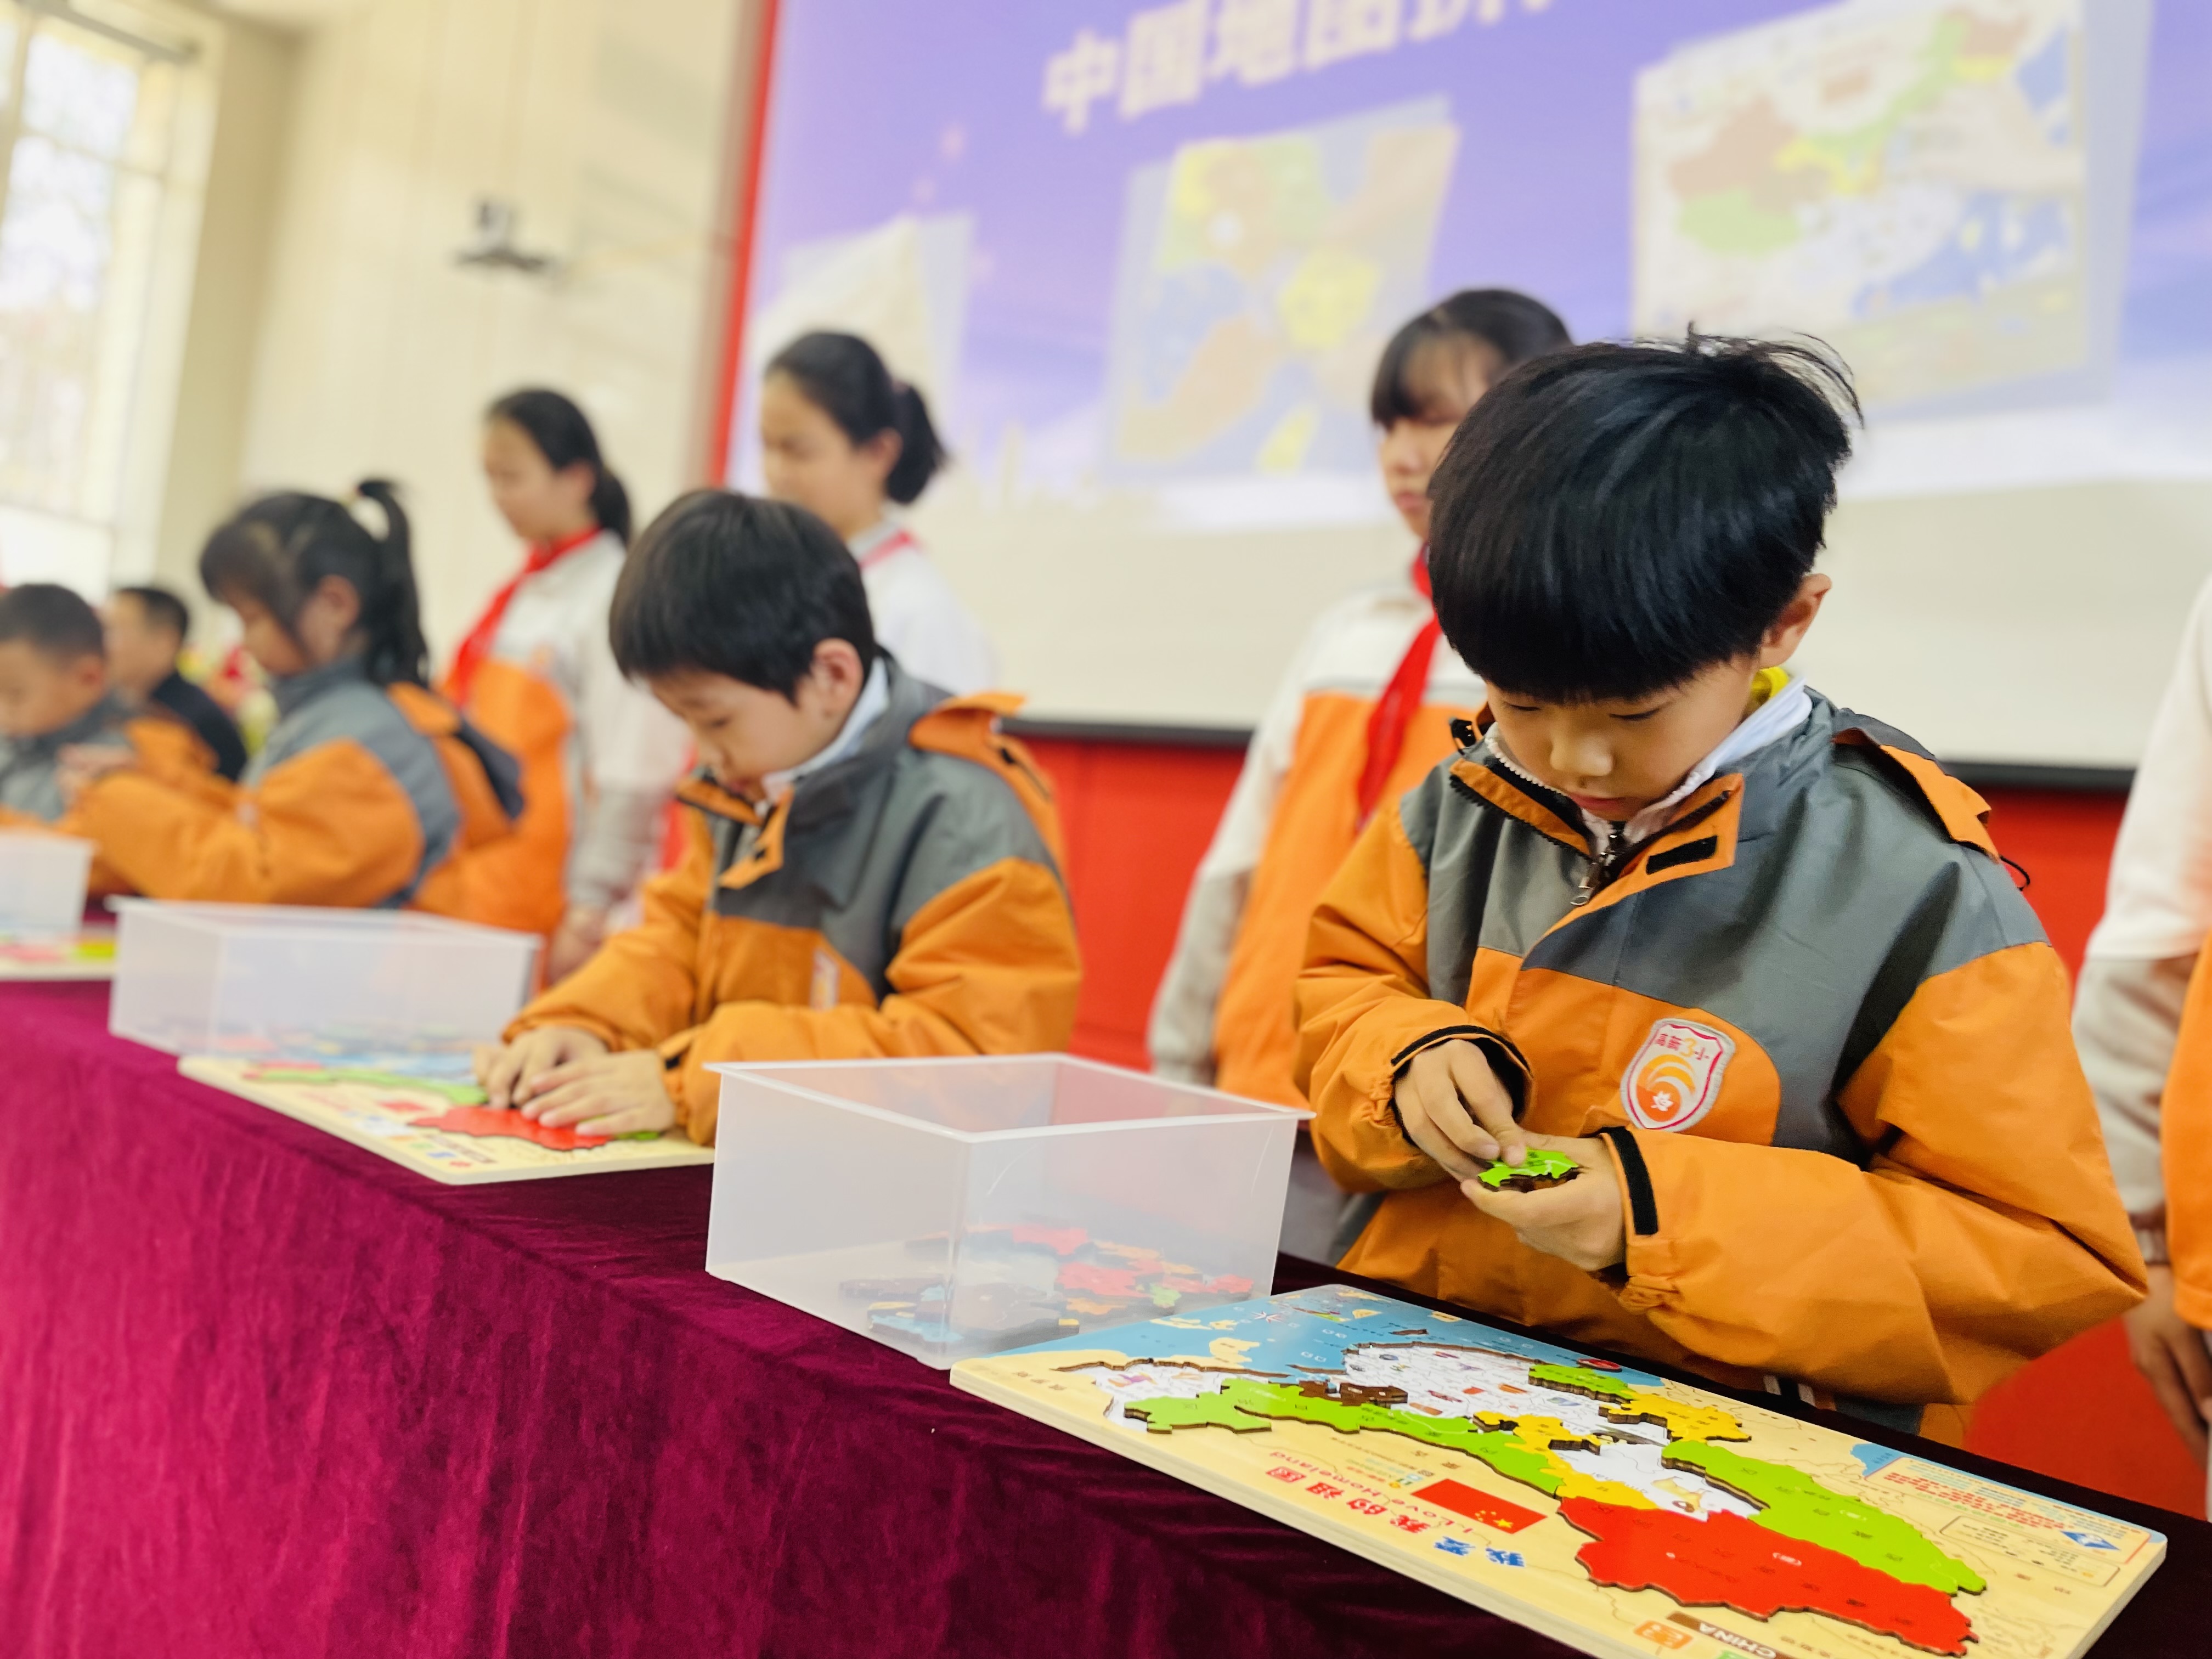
<point>582,931</point>
<point>1579,1221</point>
<point>1454,1109</point>
<point>506,1071</point>
<point>2169,1352</point>
<point>80,765</point>
<point>622,1094</point>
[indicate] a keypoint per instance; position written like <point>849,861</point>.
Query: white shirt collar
<point>1780,715</point>
<point>873,537</point>
<point>875,697</point>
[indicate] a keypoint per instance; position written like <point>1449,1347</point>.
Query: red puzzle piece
<point>1099,1281</point>
<point>1726,1561</point>
<point>1061,1240</point>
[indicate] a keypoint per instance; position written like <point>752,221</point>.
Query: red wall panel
<point>1138,818</point>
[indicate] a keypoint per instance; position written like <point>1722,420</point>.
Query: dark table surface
<point>268,1394</point>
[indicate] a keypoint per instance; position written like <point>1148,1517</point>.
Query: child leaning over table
<point>872,867</point>
<point>1749,959</point>
<point>60,712</point>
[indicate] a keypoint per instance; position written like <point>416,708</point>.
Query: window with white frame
<point>104,120</point>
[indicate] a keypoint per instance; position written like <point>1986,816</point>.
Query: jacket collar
<point>1770,777</point>
<point>837,791</point>
<point>109,714</point>
<point>295,692</point>
<point>832,792</point>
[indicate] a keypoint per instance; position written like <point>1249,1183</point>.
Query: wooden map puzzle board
<point>1622,1514</point>
<point>385,1115</point>
<point>86,955</point>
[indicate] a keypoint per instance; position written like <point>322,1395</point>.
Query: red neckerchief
<point>476,644</point>
<point>1400,702</point>
<point>897,542</point>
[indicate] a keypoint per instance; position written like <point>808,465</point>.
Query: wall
<point>604,121</point>
<point>230,282</point>
<point>1138,818</point>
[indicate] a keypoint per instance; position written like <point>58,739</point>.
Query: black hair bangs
<point>244,558</point>
<point>1428,376</point>
<point>1612,520</point>
<point>1439,362</point>
<point>722,583</point>
<point>278,549</point>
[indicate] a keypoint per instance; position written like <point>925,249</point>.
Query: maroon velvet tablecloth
<point>262,1394</point>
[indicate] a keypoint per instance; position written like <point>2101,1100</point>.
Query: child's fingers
<point>2195,1367</point>
<point>630,1121</point>
<point>549,1079</point>
<point>571,1102</point>
<point>1422,1129</point>
<point>1487,1101</point>
<point>498,1072</point>
<point>2186,1415</point>
<point>1526,1210</point>
<point>548,1061</point>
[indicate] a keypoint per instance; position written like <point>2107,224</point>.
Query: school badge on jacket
<point>1675,1077</point>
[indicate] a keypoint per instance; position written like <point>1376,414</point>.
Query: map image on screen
<point>1259,278</point>
<point>1911,182</point>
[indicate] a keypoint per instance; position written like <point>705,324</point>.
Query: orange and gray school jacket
<point>361,796</point>
<point>905,899</point>
<point>1822,1031</point>
<point>598,756</point>
<point>30,768</point>
<point>1225,1011</point>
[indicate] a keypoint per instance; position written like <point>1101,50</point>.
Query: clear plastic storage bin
<point>42,880</point>
<point>954,1207</point>
<point>283,981</point>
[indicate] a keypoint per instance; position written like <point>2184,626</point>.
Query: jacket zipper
<point>1605,867</point>
<point>1603,864</point>
<point>1598,867</point>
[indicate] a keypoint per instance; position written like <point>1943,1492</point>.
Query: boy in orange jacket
<point>873,867</point>
<point>1748,960</point>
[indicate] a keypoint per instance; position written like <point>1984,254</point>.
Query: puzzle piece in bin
<point>997,1316</point>
<point>1135,1254</point>
<point>1084,1276</point>
<point>1061,1240</point>
<point>889,1289</point>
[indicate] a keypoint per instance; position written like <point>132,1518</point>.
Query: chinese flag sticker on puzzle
<point>1676,1075</point>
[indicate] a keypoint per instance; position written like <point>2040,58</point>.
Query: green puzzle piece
<point>1541,1161</point>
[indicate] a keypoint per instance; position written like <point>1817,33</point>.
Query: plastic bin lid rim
<point>1248,1111</point>
<point>299,921</point>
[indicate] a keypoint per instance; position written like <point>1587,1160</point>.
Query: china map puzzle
<point>1619,1512</point>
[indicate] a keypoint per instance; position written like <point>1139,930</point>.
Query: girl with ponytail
<point>844,439</point>
<point>370,791</point>
<point>600,756</point>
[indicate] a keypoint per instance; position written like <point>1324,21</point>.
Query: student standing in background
<point>2142,1021</point>
<point>1363,712</point>
<point>147,628</point>
<point>600,757</point>
<point>842,439</point>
